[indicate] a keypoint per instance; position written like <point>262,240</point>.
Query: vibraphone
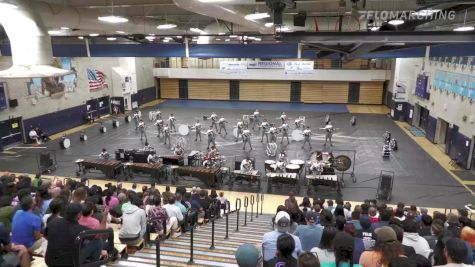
<point>138,156</point>
<point>323,179</point>
<point>154,169</point>
<point>111,168</point>
<point>250,177</point>
<point>210,176</point>
<point>173,160</point>
<point>274,178</point>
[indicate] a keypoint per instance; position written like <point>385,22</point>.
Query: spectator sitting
<point>330,206</point>
<point>308,259</point>
<point>133,222</point>
<point>402,261</point>
<point>412,238</point>
<point>455,253</point>
<point>167,194</point>
<point>179,204</point>
<point>408,251</point>
<point>36,182</point>
<point>42,200</point>
<point>325,250</point>
<point>426,222</point>
<point>422,261</point>
<point>12,255</point>
<point>386,249</point>
<point>305,205</point>
<point>283,256</point>
<point>468,235</point>
<point>26,226</point>
<point>359,244</point>
<point>355,220</point>
<point>311,233</point>
<point>399,214</point>
<point>373,215</point>
<point>269,240</point>
<point>384,217</point>
<point>158,215</point>
<point>326,218</point>
<point>89,221</point>
<point>174,211</point>
<point>222,199</point>
<point>56,208</point>
<point>6,212</point>
<point>109,199</point>
<point>247,255</point>
<point>79,195</point>
<point>436,229</point>
<point>343,247</point>
<point>62,233</point>
<point>204,202</point>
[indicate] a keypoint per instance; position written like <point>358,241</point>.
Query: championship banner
<point>232,66</point>
<point>298,67</point>
<point>265,64</point>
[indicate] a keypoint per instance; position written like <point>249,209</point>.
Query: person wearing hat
<point>61,234</point>
<point>311,233</point>
<point>247,255</point>
<point>385,250</point>
<point>269,240</point>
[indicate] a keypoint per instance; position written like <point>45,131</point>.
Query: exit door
<point>11,131</point>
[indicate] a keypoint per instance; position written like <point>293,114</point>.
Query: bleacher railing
<point>227,210</point>
<point>91,234</point>
<point>237,209</point>
<point>246,204</point>
<point>252,206</point>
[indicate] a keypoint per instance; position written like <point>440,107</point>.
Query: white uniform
<point>142,130</point>
<point>222,125</point>
<point>265,125</point>
<point>171,122</point>
<point>307,133</point>
<point>211,137</point>
<point>256,115</point>
<point>285,132</point>
<point>152,158</point>
<point>214,120</point>
<point>246,166</point>
<point>198,131</point>
<point>328,133</point>
<point>166,134</point>
<point>283,117</point>
<point>246,139</point>
<point>136,120</point>
<point>273,134</point>
<point>104,155</point>
<point>239,127</point>
<point>159,124</point>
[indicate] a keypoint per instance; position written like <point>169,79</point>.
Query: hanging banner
<point>298,67</point>
<point>265,64</point>
<point>3,97</point>
<point>232,66</point>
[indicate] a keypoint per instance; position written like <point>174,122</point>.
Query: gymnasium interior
<point>356,100</point>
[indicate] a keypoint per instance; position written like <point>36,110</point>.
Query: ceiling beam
<point>334,49</point>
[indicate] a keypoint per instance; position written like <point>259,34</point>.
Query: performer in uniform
<point>148,147</point>
<point>299,122</point>
<point>136,119</point>
<point>142,130</point>
<point>283,156</point>
<point>256,116</point>
<point>214,120</point>
<point>211,136</point>
<point>307,134</point>
<point>246,138</point>
<point>214,152</point>
<point>280,166</point>
<point>283,117</point>
<point>273,133</point>
<point>159,124</point>
<point>166,134</point>
<point>171,121</point>
<point>239,127</point>
<point>285,132</point>
<point>328,133</point>
<point>222,125</point>
<point>246,165</point>
<point>264,125</point>
<point>197,127</point>
<point>104,154</point>
<point>152,157</point>
<point>158,114</point>
<point>178,150</point>
<point>353,120</point>
<point>387,136</point>
<point>34,136</point>
<point>327,119</point>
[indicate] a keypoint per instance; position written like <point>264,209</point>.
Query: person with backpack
<point>157,218</point>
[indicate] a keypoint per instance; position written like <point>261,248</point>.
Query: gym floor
<point>419,179</point>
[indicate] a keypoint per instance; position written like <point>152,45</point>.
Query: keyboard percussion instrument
<point>110,168</point>
<point>210,176</point>
<point>156,170</point>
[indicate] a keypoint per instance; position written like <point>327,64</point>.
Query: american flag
<point>97,79</point>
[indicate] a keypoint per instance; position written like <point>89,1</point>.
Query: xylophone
<point>138,156</point>
<point>275,178</point>
<point>250,177</point>
<point>324,179</point>
<point>111,168</point>
<point>154,169</point>
<point>173,160</point>
<point>210,176</point>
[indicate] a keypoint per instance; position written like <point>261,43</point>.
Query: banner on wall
<point>456,83</point>
<point>298,67</point>
<point>232,66</point>
<point>97,80</point>
<point>54,86</point>
<point>3,97</point>
<point>400,90</point>
<point>265,64</point>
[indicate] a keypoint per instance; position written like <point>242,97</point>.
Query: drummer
<point>211,136</point>
<point>159,124</point>
<point>299,122</point>
<point>307,134</point>
<point>283,117</point>
<point>283,156</point>
<point>214,120</point>
<point>136,117</point>
<point>152,157</point>
<point>317,167</point>
<point>197,128</point>
<point>285,132</point>
<point>328,133</point>
<point>265,126</point>
<point>239,127</point>
<point>158,114</point>
<point>273,133</point>
<point>214,152</point>
<point>104,154</point>
<point>142,130</point>
<point>246,165</point>
<point>178,150</point>
<point>166,134</point>
<point>246,138</point>
<point>148,147</point>
<point>172,121</point>
<point>255,118</point>
<point>280,166</point>
<point>222,125</point>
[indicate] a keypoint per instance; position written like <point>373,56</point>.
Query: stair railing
<point>246,204</point>
<point>227,210</point>
<point>237,209</point>
<point>252,206</point>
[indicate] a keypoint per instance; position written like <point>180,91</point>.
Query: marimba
<point>324,179</point>
<point>111,168</point>
<point>154,169</point>
<point>210,176</point>
<point>173,160</point>
<point>275,178</point>
<point>250,177</point>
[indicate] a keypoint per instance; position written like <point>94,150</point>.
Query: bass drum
<point>183,130</point>
<point>297,135</point>
<point>128,118</point>
<point>235,133</point>
<point>103,129</point>
<point>65,143</point>
<point>83,137</point>
<point>115,124</point>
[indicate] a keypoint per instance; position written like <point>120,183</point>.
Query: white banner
<point>298,67</point>
<point>232,66</point>
<point>265,64</point>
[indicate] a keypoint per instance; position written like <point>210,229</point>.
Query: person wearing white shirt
<point>159,124</point>
<point>328,133</point>
<point>283,117</point>
<point>211,136</point>
<point>197,127</point>
<point>166,134</point>
<point>273,133</point>
<point>142,130</point>
<point>246,165</point>
<point>152,157</point>
<point>285,132</point>
<point>173,210</point>
<point>34,136</point>
<point>239,127</point>
<point>246,139</point>
<point>214,120</point>
<point>307,133</point>
<point>222,125</point>
<point>171,121</point>
<point>256,115</point>
<point>264,125</point>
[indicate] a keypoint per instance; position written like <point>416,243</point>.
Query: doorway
<point>423,118</point>
<point>441,133</point>
<point>11,131</point>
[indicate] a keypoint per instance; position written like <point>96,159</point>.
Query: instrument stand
<point>352,174</point>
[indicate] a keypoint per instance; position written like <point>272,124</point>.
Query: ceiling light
<point>120,32</point>
<point>233,36</point>
<point>255,16</point>
<point>113,19</point>
<point>374,28</point>
<point>396,22</point>
<point>227,40</point>
<point>197,30</point>
<point>179,36</point>
<point>214,1</point>
<point>166,40</point>
<point>221,33</point>
<point>54,32</point>
<point>464,29</point>
<point>425,12</point>
<point>111,38</point>
<point>150,38</point>
<point>93,34</point>
<point>81,37</point>
<point>257,39</point>
<point>218,39</point>
<point>269,24</point>
<point>65,28</point>
<point>7,6</point>
<point>166,26</point>
<point>283,29</point>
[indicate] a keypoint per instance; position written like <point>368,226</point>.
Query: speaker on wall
<point>300,18</point>
<point>13,103</point>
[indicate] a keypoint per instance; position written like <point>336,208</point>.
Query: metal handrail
<point>91,234</point>
<point>252,207</point>
<point>190,219</point>
<point>262,202</point>
<point>246,204</point>
<point>227,210</point>
<point>237,209</point>
<point>257,205</point>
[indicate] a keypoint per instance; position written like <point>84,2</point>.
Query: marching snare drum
<point>268,163</point>
<point>299,162</point>
<point>297,135</point>
<point>183,130</point>
<point>83,137</point>
<point>128,118</point>
<point>115,123</point>
<point>65,143</point>
<point>292,168</point>
<point>103,129</point>
<point>235,133</point>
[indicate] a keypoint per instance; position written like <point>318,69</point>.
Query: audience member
<point>247,255</point>
<point>283,257</point>
<point>359,244</point>
<point>6,212</point>
<point>133,222</point>
<point>26,226</point>
<point>385,249</point>
<point>384,217</point>
<point>311,233</point>
<point>425,225</point>
<point>343,247</point>
<point>455,253</point>
<point>367,233</point>
<point>324,251</point>
<point>412,238</point>
<point>269,240</point>
<point>308,259</point>
<point>408,251</point>
<point>421,261</point>
<point>402,261</point>
<point>12,255</point>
